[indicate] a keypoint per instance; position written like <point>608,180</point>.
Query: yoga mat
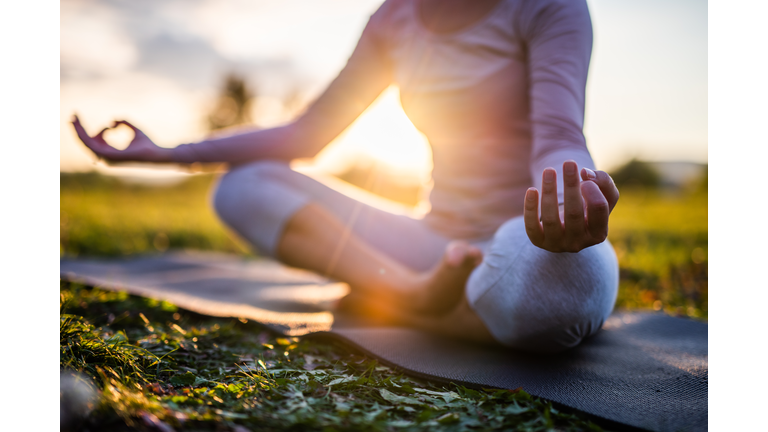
<point>644,370</point>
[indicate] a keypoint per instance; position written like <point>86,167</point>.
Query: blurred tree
<point>636,174</point>
<point>234,105</point>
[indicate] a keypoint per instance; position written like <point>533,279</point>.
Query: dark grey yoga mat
<point>644,370</point>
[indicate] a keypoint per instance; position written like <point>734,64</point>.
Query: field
<point>151,366</point>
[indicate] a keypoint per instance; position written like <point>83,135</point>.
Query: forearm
<point>559,36</point>
<point>282,143</point>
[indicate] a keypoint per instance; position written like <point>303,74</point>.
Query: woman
<point>497,86</point>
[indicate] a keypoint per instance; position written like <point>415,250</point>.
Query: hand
<point>141,148</point>
<point>584,219</point>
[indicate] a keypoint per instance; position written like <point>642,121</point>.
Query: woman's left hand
<point>141,148</point>
<point>582,221</point>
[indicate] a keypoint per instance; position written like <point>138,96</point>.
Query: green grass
<point>102,217</point>
<point>155,365</point>
<point>661,242</point>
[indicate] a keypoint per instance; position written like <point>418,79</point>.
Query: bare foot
<point>440,289</point>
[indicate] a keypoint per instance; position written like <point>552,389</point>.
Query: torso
<point>447,16</point>
<point>467,91</point>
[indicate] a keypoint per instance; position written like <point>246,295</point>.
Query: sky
<point>160,64</point>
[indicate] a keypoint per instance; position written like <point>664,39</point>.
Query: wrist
<point>163,155</point>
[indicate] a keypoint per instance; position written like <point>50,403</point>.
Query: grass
<point>102,217</point>
<point>661,243</point>
<point>156,367</point>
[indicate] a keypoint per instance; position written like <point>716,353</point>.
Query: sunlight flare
<point>385,135</point>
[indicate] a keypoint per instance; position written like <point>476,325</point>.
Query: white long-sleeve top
<point>499,101</point>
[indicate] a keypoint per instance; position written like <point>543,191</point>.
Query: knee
<point>583,289</point>
<point>238,192</point>
<point>588,278</point>
<point>595,274</point>
<point>536,300</point>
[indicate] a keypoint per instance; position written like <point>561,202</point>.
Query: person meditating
<point>513,250</point>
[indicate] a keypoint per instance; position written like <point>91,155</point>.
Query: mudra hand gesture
<point>141,148</point>
<point>582,221</point>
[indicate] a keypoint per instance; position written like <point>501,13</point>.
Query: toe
<point>459,253</point>
<point>456,253</point>
<point>476,255</point>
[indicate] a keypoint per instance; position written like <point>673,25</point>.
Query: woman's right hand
<point>141,148</point>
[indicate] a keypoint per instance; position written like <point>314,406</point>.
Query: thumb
<point>605,183</point>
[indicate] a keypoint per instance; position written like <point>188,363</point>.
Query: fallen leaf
<point>448,418</point>
<point>396,399</point>
<point>341,380</point>
<point>185,379</point>
<point>447,396</point>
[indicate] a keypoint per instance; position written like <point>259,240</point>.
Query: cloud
<point>105,39</point>
<point>92,42</point>
<point>196,64</point>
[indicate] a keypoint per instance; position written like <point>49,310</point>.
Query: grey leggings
<point>528,298</point>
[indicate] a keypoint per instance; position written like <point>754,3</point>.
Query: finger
<point>100,135</point>
<point>137,132</point>
<point>531,217</point>
<point>96,143</point>
<point>93,144</point>
<point>99,145</point>
<point>597,211</point>
<point>117,123</point>
<point>587,174</point>
<point>574,206</point>
<point>609,189</point>
<point>475,255</point>
<point>460,253</point>
<point>84,137</point>
<point>550,215</point>
<point>79,128</point>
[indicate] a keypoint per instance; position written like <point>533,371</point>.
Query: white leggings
<point>528,298</point>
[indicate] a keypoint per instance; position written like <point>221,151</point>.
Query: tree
<point>234,105</point>
<point>636,174</point>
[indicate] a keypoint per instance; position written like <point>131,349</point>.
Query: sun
<point>384,134</point>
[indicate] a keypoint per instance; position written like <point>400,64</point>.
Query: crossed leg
<point>380,255</point>
<point>315,239</point>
